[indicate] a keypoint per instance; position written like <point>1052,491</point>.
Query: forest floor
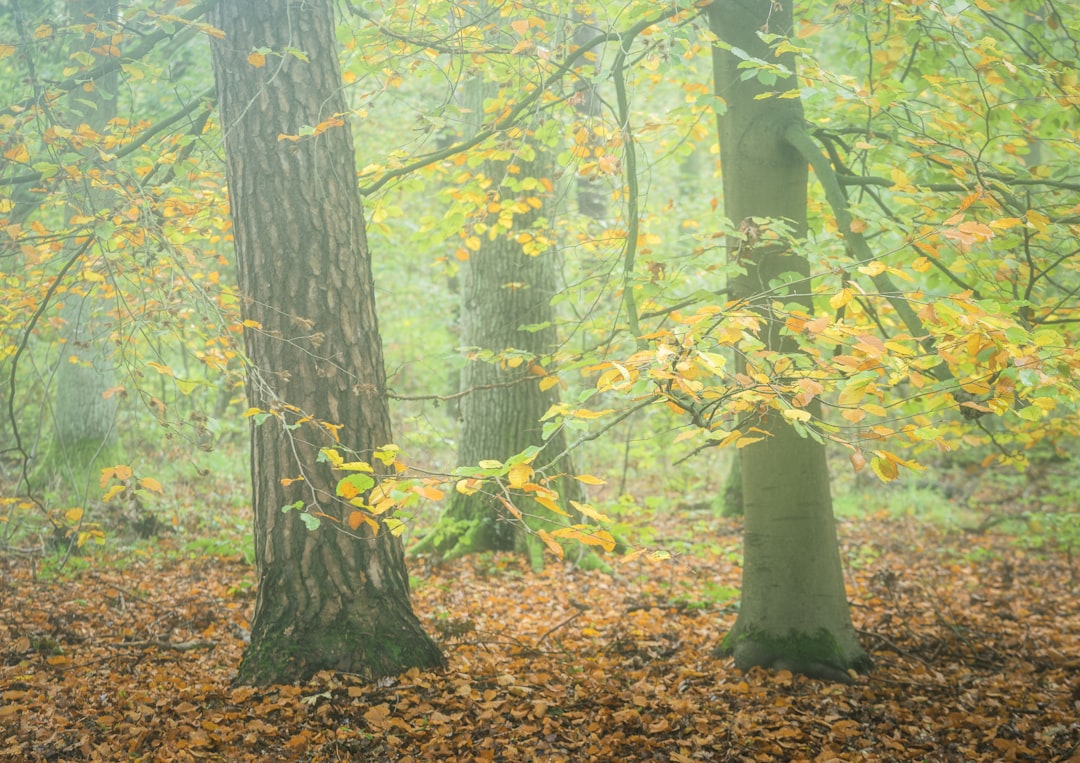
<point>975,639</point>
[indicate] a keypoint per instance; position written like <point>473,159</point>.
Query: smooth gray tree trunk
<point>794,612</point>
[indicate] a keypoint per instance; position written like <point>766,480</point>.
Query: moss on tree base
<point>815,655</point>
<point>292,656</point>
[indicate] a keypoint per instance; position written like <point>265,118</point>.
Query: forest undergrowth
<point>975,639</point>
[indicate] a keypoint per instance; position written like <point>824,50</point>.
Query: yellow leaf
<point>355,466</point>
<point>286,481</point>
<point>161,369</point>
<point>467,486</point>
<point>841,298</point>
<point>74,515</point>
<point>42,32</point>
<point>587,535</point>
<point>550,542</point>
<point>258,60</point>
<point>588,479</point>
<point>548,382</point>
<point>1004,223</point>
<point>250,324</point>
<point>18,154</point>
<point>120,472</point>
<point>6,50</point>
<point>382,506</point>
<point>921,265</point>
<point>875,409</point>
<point>585,413</point>
<point>92,276</point>
<point>490,464</point>
<point>332,455</point>
<point>395,526</point>
<point>712,362</point>
<point>796,414</point>
<point>853,393</point>
<point>519,475</point>
<point>885,469</point>
<point>251,412</point>
<point>549,504</point>
<point>112,492</point>
<point>151,484</point>
<point>588,511</point>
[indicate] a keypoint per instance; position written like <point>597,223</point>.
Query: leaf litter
<point>974,638</point>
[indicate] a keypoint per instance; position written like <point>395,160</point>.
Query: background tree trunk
<point>794,612</point>
<point>329,598</point>
<point>84,420</point>
<point>503,289</point>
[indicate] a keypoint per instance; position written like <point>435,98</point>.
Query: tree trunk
<point>502,289</point>
<point>329,598</point>
<point>84,420</point>
<point>794,612</point>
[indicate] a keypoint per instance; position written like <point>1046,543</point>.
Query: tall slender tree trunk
<point>794,612</point>
<point>84,419</point>
<point>330,598</point>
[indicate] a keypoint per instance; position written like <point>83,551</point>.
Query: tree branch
<point>515,113</point>
<point>799,139</point>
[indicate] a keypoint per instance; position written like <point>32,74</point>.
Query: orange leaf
<point>551,543</point>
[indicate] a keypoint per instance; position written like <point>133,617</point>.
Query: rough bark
<point>503,289</point>
<point>794,612</point>
<point>327,599</point>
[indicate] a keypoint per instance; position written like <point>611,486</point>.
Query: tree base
<point>815,655</point>
<point>287,655</point>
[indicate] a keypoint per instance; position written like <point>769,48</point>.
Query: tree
<point>508,327</point>
<point>794,612</point>
<point>330,597</point>
<point>83,411</point>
